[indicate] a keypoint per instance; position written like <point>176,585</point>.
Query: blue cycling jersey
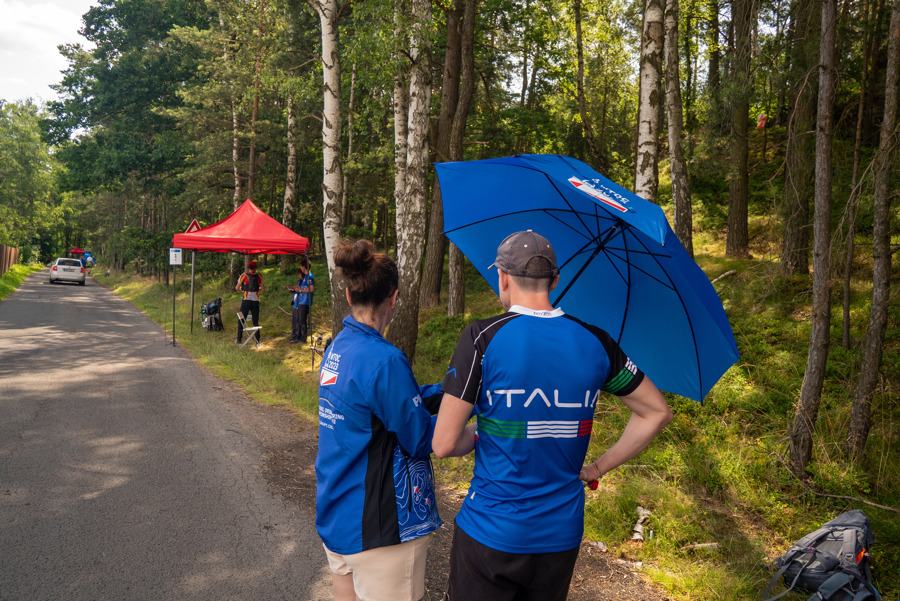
<point>374,481</point>
<point>534,378</point>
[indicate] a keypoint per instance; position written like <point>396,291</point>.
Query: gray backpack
<point>831,563</point>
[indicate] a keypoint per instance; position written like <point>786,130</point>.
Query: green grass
<point>716,474</point>
<point>13,278</point>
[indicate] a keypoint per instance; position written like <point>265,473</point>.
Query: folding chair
<point>249,331</point>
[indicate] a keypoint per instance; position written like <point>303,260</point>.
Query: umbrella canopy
<point>248,230</point>
<point>621,266</point>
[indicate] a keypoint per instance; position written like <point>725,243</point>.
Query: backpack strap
<point>849,552</point>
<point>778,575</point>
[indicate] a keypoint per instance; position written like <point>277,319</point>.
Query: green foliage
<point>14,277</point>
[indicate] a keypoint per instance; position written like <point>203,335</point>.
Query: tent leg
<point>193,255</point>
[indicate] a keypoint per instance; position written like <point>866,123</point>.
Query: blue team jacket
<point>374,481</point>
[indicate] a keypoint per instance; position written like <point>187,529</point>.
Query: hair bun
<point>355,258</point>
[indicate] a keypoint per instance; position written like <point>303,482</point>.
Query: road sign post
<point>174,261</point>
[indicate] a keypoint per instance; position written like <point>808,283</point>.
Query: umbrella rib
<point>687,314</point>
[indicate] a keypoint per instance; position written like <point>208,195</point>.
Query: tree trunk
<point>457,300</point>
<point>861,412</point>
<point>437,243</point>
<point>236,267</point>
<point>646,182</point>
<point>404,328</point>
<point>853,201</point>
<point>290,180</point>
<point>800,150</point>
<point>713,81</point>
<point>401,108</point>
<point>332,180</point>
<point>801,438</point>
<point>737,239</point>
<point>681,196</point>
<point>582,104</point>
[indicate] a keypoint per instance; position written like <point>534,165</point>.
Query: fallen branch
<point>696,546</point>
<point>726,274</point>
<point>826,495</point>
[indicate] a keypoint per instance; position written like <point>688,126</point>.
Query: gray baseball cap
<point>517,249</point>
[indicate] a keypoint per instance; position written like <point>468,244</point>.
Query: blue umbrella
<point>621,266</point>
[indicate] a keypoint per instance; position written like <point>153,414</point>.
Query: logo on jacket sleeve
<point>330,366</point>
<point>327,377</point>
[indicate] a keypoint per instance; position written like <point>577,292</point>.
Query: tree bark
<point>713,80</point>
<point>404,328</point>
<point>582,104</point>
<point>290,179</point>
<point>853,201</point>
<point>800,150</point>
<point>801,438</point>
<point>332,180</point>
<point>457,301</point>
<point>737,239</point>
<point>681,195</point>
<point>646,181</point>
<point>861,411</point>
<point>437,243</point>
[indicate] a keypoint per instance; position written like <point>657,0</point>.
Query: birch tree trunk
<point>681,195</point>
<point>332,180</point>
<point>437,243</point>
<point>457,300</point>
<point>861,412</point>
<point>801,437</point>
<point>290,178</point>
<point>646,181</point>
<point>737,238</point>
<point>401,108</point>
<point>404,328</point>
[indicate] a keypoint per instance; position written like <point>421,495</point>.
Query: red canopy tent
<point>247,231</point>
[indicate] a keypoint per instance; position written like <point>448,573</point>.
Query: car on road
<point>67,270</point>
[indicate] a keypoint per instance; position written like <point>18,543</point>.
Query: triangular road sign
<point>193,227</point>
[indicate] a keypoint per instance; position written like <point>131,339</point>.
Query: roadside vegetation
<point>14,277</point>
<point>716,475</point>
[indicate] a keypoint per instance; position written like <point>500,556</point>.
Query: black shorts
<point>479,572</point>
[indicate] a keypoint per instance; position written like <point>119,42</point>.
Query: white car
<point>67,270</point>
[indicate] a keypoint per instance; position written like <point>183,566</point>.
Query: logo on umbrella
<point>592,191</point>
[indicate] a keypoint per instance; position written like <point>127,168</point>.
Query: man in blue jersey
<point>301,302</point>
<point>532,376</point>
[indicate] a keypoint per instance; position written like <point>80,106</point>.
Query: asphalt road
<point>128,472</point>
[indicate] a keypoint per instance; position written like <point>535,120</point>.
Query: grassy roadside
<point>13,278</point>
<point>714,476</point>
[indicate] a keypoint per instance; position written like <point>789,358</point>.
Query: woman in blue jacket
<point>375,503</point>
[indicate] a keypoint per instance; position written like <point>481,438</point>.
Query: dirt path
<point>290,470</point>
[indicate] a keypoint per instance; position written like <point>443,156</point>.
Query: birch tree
<point>332,179</point>
<point>411,211</point>
<point>801,436</point>
<point>646,181</point>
